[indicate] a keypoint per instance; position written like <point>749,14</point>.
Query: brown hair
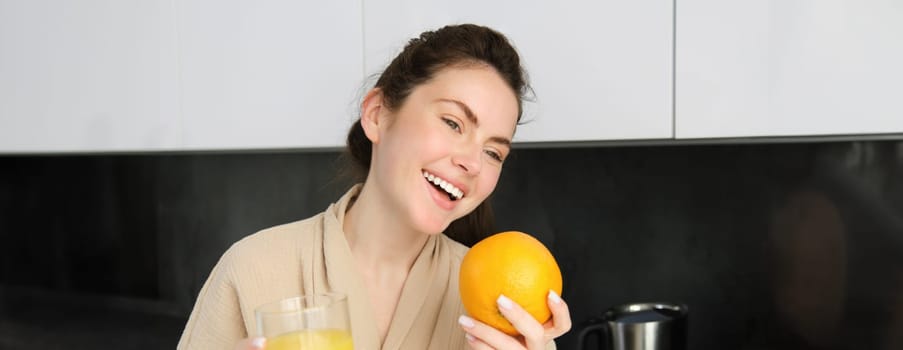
<point>421,59</point>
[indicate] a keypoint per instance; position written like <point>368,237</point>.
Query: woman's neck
<point>378,238</point>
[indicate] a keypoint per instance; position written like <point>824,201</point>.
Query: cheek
<point>488,181</point>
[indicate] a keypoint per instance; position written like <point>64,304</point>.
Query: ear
<point>372,111</point>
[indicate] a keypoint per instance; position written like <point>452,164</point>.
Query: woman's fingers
<point>476,344</point>
<point>561,316</point>
<point>486,337</point>
<point>534,333</point>
<point>534,336</point>
<point>251,344</point>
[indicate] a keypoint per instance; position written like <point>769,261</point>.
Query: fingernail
<point>554,297</point>
<point>465,321</point>
<point>504,302</point>
<point>258,343</point>
<point>469,337</point>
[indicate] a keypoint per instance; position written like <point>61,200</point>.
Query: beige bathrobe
<point>311,256</point>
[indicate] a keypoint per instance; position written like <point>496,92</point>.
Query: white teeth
<point>445,185</point>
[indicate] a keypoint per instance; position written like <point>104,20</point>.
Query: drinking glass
<point>308,322</point>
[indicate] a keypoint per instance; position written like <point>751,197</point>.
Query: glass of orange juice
<point>308,322</point>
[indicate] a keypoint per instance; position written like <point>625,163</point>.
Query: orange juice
<point>319,339</point>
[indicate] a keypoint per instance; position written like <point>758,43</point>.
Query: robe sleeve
<point>216,321</point>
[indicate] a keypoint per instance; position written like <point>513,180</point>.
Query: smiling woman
<point>428,150</point>
<point>428,134</point>
<point>464,47</point>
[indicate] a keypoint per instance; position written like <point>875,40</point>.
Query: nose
<point>469,158</point>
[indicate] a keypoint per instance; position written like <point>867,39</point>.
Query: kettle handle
<point>595,325</point>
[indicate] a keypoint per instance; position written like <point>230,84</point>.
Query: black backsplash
<point>772,246</point>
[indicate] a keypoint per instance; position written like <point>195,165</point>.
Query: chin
<point>434,222</point>
<point>430,225</point>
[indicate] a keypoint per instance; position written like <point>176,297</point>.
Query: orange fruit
<point>514,264</point>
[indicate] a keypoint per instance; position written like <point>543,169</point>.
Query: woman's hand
<point>251,344</point>
<point>533,336</point>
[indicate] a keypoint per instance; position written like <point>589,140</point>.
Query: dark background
<point>772,246</point>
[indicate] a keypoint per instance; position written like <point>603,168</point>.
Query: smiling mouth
<point>453,192</point>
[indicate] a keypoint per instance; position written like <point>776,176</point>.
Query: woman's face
<point>454,130</point>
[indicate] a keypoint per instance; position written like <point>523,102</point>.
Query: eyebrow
<point>475,121</point>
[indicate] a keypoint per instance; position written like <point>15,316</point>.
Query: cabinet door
<point>601,70</point>
<point>88,76</point>
<point>270,73</point>
<point>788,67</point>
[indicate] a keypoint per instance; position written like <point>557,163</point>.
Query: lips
<point>454,193</point>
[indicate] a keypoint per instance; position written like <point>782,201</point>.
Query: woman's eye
<point>494,155</point>
<point>452,124</point>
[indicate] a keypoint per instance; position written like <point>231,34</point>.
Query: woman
<point>431,140</point>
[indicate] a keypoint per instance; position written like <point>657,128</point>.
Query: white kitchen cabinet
<point>601,70</point>
<point>88,76</point>
<point>269,74</point>
<point>788,68</point>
